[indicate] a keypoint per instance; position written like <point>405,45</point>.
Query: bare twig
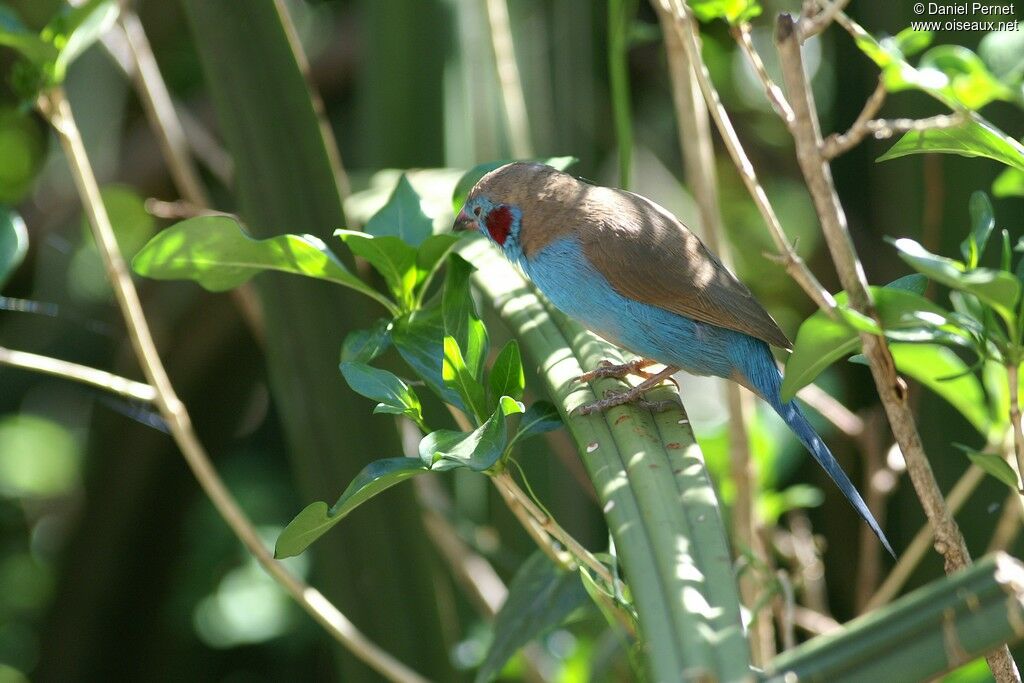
<point>774,93</point>
<point>699,162</point>
<point>807,562</point>
<point>94,377</point>
<point>512,95</point>
<point>56,109</point>
<point>685,27</point>
<point>881,129</point>
<point>841,417</point>
<point>813,25</point>
<point>813,622</point>
<point>160,111</point>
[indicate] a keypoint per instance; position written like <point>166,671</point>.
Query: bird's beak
<point>464,221</point>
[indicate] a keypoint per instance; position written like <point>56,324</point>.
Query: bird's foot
<point>606,369</point>
<point>632,395</point>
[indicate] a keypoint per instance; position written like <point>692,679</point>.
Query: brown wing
<point>626,234</point>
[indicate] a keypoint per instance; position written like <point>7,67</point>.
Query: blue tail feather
<point>767,380</point>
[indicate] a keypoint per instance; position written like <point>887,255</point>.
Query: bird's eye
<point>476,210</point>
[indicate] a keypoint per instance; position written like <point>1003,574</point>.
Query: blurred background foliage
<point>113,565</point>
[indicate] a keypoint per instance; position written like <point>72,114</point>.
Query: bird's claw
<point>607,369</point>
<point>613,397</point>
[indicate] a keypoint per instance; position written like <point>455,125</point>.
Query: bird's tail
<point>766,380</point>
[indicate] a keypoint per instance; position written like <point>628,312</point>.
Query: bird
<point>631,272</point>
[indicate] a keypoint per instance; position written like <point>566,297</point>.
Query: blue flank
<point>566,277</point>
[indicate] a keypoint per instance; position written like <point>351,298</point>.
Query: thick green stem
<point>620,15</point>
<point>922,635</point>
<point>654,489</point>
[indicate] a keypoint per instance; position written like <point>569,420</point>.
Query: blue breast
<point>574,286</point>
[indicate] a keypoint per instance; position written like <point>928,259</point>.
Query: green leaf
<point>821,341</point>
<point>733,11</point>
<point>506,378</point>
<point>431,254</point>
<point>972,139</point>
<point>859,321</point>
<point>970,82</point>
<point>402,216</point>
<point>316,519</point>
<point>13,243</point>
<point>217,253</point>
<point>983,222</point>
<point>73,32</point>
<point>540,597</point>
<point>458,377</point>
<point>22,154</point>
<point>391,257</point>
<point>1009,183</point>
<point>419,339</point>
<point>997,289</point>
<point>933,366</point>
<point>992,464</point>
<point>773,504</point>
<point>15,35</point>
<point>460,319</point>
<point>540,417</point>
<point>362,346</point>
<point>479,450</point>
<point>1003,53</point>
<point>473,175</point>
<point>910,41</point>
<point>915,282</point>
<point>395,397</point>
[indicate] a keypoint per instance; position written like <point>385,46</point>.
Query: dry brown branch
<point>101,379</point>
<point>57,111</point>
<point>776,97</point>
<point>811,24</point>
<point>1008,526</point>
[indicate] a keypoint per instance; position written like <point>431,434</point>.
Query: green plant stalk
<point>654,489</point>
<point>923,634</point>
<point>620,15</point>
<point>287,181</point>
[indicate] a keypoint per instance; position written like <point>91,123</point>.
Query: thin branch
<point>1008,527</point>
<point>685,26</point>
<point>699,161</point>
<point>156,100</point>
<point>512,95</point>
<point>1012,371</point>
<point>101,379</point>
<point>881,129</point>
<point>741,34</point>
<point>841,417</point>
<point>55,107</point>
<point>811,26</point>
<point>815,623</point>
<point>918,548</point>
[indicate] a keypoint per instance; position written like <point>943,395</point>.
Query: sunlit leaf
<point>402,216</point>
<point>540,597</point>
<point>506,377</point>
<point>983,222</point>
<point>910,41</point>
<point>391,257</point>
<point>74,31</point>
<point>217,253</point>
<point>1009,183</point>
<point>394,396</point>
<point>419,339</point>
<point>479,450</point>
<point>460,319</point>
<point>970,81</point>
<point>972,139</point>
<point>992,464</point>
<point>13,243</point>
<point>733,11</point>
<point>995,288</point>
<point>470,178</point>
<point>933,366</point>
<point>458,377</point>
<point>15,35</point>
<point>316,519</point>
<point>362,346</point>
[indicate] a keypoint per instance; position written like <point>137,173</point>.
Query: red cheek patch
<point>499,223</point>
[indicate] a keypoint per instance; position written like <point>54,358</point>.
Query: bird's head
<point>492,209</point>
